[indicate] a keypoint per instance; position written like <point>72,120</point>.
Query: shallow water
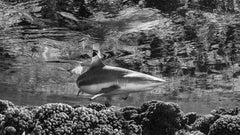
<point>28,80</point>
<point>203,104</point>
<point>41,83</point>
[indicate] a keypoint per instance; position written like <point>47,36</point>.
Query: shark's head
<point>135,81</point>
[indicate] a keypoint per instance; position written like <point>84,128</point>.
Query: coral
<point>10,130</point>
<point>4,105</point>
<point>184,132</point>
<point>57,119</point>
<point>197,133</point>
<point>130,112</point>
<point>225,111</point>
<point>87,121</point>
<point>2,117</point>
<point>105,121</point>
<point>152,118</point>
<point>19,118</point>
<point>192,117</point>
<point>131,128</point>
<point>204,122</point>
<point>54,118</point>
<point>161,118</point>
<point>226,125</point>
<point>47,110</point>
<point>96,106</point>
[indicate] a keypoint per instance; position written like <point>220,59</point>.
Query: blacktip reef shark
<point>107,81</point>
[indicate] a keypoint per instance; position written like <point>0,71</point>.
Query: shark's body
<point>103,80</point>
<point>115,80</point>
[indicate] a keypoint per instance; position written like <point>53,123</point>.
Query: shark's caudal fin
<point>96,57</point>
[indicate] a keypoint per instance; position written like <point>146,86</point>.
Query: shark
<point>102,80</point>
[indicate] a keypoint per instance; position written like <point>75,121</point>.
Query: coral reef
<point>224,111</point>
<point>204,122</point>
<point>152,118</point>
<point>161,117</point>
<point>226,125</point>
<point>4,105</point>
<point>191,117</point>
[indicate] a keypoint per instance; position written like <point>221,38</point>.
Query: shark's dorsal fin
<point>96,58</point>
<point>96,62</point>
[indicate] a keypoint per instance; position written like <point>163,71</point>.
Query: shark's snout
<point>158,80</point>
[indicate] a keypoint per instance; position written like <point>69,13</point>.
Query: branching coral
<point>156,117</point>
<point>88,121</point>
<point>54,119</point>
<point>184,132</point>
<point>161,118</point>
<point>152,118</point>
<point>224,111</point>
<point>4,105</point>
<point>97,106</point>
<point>58,119</point>
<point>204,122</point>
<point>105,121</point>
<point>2,117</point>
<point>130,112</point>
<point>226,125</point>
<point>18,118</point>
<point>191,117</point>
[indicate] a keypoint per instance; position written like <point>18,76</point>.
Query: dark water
<point>27,80</point>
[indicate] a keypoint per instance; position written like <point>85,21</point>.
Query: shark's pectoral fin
<point>95,96</point>
<point>105,91</point>
<point>79,91</point>
<point>109,89</point>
